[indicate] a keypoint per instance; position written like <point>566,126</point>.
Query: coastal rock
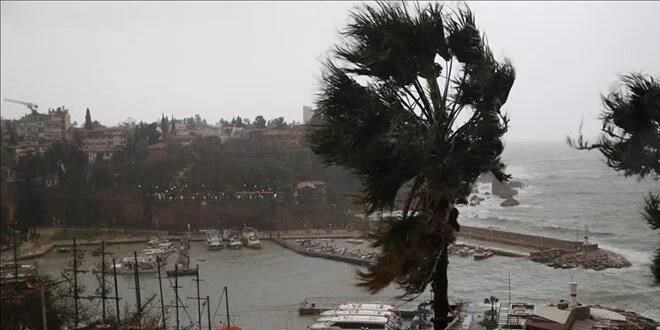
<point>598,259</point>
<point>516,184</point>
<point>509,202</point>
<point>503,190</point>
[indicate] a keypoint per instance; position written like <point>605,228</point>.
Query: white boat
<point>372,307</point>
<point>250,238</point>
<point>253,242</point>
<point>354,241</point>
<point>360,322</point>
<point>127,265</point>
<point>213,240</point>
<point>338,312</point>
<point>235,243</point>
<point>157,241</point>
<point>166,245</point>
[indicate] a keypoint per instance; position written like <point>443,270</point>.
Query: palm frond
<point>651,212</point>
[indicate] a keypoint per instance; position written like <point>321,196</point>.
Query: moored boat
<point>235,243</point>
<point>483,255</point>
<point>213,240</point>
<point>182,265</point>
<point>250,238</point>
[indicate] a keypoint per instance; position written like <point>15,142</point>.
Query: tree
<point>412,102</point>
<point>238,121</point>
<point>277,123</point>
<point>259,122</point>
<point>88,119</point>
<point>630,139</point>
<point>164,124</point>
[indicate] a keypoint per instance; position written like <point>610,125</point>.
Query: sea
<point>567,194</point>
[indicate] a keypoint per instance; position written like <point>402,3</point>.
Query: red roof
<point>224,327</point>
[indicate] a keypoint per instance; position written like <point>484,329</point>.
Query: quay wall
<point>517,239</point>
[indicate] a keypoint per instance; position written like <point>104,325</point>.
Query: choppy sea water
<point>565,190</point>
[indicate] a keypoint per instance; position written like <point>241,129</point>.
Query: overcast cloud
<point>221,59</point>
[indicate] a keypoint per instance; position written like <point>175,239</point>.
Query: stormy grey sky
<point>221,59</point>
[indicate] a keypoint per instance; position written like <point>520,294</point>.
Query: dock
<point>316,305</point>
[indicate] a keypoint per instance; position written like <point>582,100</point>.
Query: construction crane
<point>30,105</point>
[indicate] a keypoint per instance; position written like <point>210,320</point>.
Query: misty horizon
<point>221,60</point>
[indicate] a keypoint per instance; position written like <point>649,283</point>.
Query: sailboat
<point>182,264</point>
<point>228,326</point>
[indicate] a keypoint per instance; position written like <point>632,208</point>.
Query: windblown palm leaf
<point>631,139</point>
<point>411,103</point>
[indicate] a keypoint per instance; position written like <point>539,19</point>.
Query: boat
<point>213,240</point>
<point>159,242</point>
<point>128,265</point>
<point>250,238</point>
<point>63,250</point>
<point>234,242</point>
<point>373,307</point>
<point>358,322</point>
<point>182,265</point>
<point>338,312</point>
<point>483,255</point>
<point>354,241</point>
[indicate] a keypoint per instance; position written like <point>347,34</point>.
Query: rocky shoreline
<point>598,259</point>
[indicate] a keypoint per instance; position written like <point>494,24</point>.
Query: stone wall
<point>524,240</point>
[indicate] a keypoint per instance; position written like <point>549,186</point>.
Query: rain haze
<point>161,166</point>
<point>228,58</point>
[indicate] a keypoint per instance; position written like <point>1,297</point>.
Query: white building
<point>308,113</point>
<point>102,142</point>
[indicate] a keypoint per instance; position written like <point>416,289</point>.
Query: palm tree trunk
<point>440,286</point>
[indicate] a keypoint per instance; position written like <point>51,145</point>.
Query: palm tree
<point>410,102</point>
<point>630,139</point>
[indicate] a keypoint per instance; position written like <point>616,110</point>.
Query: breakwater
<point>319,254</point>
<point>516,239</point>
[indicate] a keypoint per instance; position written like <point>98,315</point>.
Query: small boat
<point>483,255</point>
<point>159,242</point>
<point>213,240</point>
<point>250,238</point>
<point>234,243</point>
<point>184,271</point>
<point>128,265</point>
<point>182,265</point>
<point>354,241</point>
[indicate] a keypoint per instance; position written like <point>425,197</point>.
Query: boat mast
<point>138,299</point>
<point>103,293</point>
<point>176,293</point>
<point>227,306</point>
<point>75,281</point>
<point>160,288</point>
<point>199,303</point>
<point>114,273</point>
<point>208,311</point>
